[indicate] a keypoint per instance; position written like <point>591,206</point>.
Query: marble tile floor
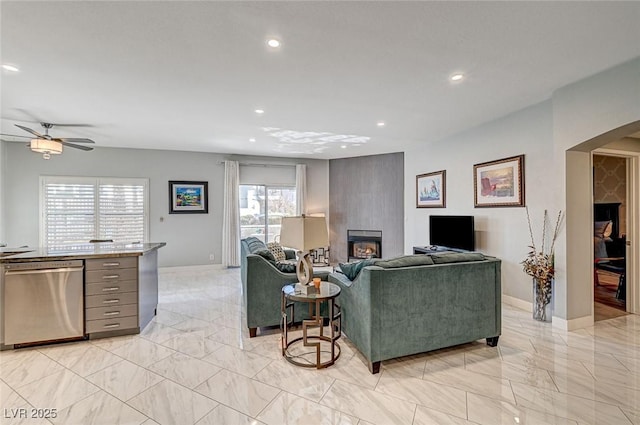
<point>195,364</point>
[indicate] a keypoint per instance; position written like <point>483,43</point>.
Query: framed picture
<point>431,190</point>
<point>499,183</point>
<point>188,197</point>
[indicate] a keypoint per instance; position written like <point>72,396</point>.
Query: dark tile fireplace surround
<point>363,244</point>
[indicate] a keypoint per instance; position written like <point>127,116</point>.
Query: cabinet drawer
<point>111,287</point>
<point>111,263</point>
<point>113,312</point>
<point>110,299</point>
<point>104,325</point>
<point>116,275</point>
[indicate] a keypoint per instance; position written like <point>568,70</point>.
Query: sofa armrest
<point>355,301</point>
<point>340,279</point>
<point>262,291</point>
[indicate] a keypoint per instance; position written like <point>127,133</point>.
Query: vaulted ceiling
<point>190,75</point>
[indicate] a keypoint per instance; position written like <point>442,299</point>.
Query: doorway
<point>610,204</point>
<point>616,195</point>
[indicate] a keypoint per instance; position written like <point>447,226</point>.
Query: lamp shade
<point>304,233</point>
<point>46,146</point>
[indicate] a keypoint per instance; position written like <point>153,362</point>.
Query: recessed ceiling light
<point>343,146</point>
<point>457,77</point>
<point>252,140</point>
<point>10,68</point>
<point>273,43</point>
<point>259,111</point>
<point>380,124</point>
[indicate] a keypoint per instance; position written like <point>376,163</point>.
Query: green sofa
<point>403,310</point>
<point>262,284</point>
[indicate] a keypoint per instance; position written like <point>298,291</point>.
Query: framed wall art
<point>188,197</point>
<point>499,183</point>
<point>431,190</point>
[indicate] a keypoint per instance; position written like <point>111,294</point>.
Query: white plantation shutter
<point>121,210</point>
<point>75,210</point>
<point>69,213</point>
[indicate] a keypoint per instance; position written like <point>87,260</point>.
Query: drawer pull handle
<point>111,313</point>
<point>110,301</point>
<point>110,264</point>
<point>111,276</point>
<point>113,288</point>
<point>113,325</point>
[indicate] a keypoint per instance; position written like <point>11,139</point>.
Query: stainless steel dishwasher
<point>43,301</point>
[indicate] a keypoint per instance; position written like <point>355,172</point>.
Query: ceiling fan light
<point>46,146</point>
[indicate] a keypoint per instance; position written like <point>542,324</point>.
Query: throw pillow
<point>286,266</point>
<point>267,255</point>
<point>351,270</point>
<point>277,251</point>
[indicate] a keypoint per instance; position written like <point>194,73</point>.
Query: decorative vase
<point>541,300</point>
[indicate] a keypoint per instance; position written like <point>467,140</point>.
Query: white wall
<point>583,111</point>
<point>190,238</point>
<point>552,136</point>
<point>2,178</point>
<point>501,232</point>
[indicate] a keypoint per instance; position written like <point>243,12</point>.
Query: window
<point>75,210</point>
<point>262,208</point>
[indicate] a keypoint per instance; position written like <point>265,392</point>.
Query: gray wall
<point>190,238</point>
<point>367,193</point>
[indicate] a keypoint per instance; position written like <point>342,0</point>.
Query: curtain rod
<point>258,164</point>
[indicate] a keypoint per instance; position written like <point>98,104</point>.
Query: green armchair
<point>262,284</point>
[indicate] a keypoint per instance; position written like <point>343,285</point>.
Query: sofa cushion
<point>351,270</point>
<point>277,251</point>
<point>286,266</point>
<point>457,257</point>
<point>254,244</point>
<point>267,255</point>
<point>405,261</point>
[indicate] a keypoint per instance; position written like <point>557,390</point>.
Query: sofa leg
<point>253,332</point>
<point>374,367</point>
<point>493,341</point>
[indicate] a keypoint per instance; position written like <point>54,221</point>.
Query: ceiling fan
<point>48,145</point>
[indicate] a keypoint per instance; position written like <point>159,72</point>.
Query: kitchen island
<point>72,292</point>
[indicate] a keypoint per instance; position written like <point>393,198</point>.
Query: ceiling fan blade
<point>69,125</point>
<point>74,139</point>
<point>15,135</point>
<point>81,147</point>
<point>28,130</point>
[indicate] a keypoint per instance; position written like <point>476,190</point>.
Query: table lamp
<point>304,233</point>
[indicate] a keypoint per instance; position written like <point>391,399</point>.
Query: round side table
<point>328,292</point>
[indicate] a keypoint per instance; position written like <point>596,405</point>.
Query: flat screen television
<point>452,231</point>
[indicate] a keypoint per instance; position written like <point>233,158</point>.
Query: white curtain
<point>301,189</point>
<point>231,216</point>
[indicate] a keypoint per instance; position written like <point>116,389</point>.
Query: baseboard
<point>517,303</point>
<point>202,267</point>
<point>572,324</point>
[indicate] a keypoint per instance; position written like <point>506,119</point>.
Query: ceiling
<point>189,75</point>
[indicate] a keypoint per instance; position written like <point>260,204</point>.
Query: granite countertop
<point>77,252</point>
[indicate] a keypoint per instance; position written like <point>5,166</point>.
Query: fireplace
<point>364,244</point>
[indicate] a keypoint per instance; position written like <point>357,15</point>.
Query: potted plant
<point>539,265</point>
